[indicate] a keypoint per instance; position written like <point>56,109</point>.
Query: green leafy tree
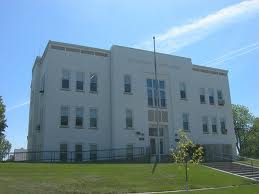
<point>243,121</point>
<point>3,124</point>
<point>252,140</point>
<point>5,147</point>
<point>186,150</point>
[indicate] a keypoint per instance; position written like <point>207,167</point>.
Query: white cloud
<point>178,37</point>
<point>18,106</point>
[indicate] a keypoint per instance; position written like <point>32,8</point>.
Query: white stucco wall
<point>111,101</point>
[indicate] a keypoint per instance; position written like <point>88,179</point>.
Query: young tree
<point>5,147</point>
<point>3,124</point>
<point>186,150</point>
<point>243,121</point>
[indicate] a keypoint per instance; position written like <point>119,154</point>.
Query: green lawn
<point>244,189</point>
<point>61,178</point>
<point>255,162</point>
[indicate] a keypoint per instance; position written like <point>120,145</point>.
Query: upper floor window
<point>64,116</point>
<point>129,119</point>
<point>93,82</point>
<point>214,125</point>
<point>156,93</point>
<point>185,122</point>
<point>79,81</point>
<point>205,124</point>
<point>202,96</point>
<point>65,79</point>
<point>182,91</point>
<point>93,118</point>
<point>223,126</point>
<point>79,116</point>
<point>211,96</point>
<point>42,85</point>
<point>127,84</point>
<point>221,101</point>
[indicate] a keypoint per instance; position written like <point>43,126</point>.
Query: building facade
<point>85,98</point>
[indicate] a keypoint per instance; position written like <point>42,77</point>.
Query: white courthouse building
<point>88,99</point>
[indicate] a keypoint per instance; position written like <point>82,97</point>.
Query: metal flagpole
<point>156,101</point>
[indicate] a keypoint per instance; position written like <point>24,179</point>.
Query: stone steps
<point>236,168</point>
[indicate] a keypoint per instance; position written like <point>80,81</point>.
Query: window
<point>93,152</point>
<point>153,132</point>
<point>182,91</point>
<point>221,101</point>
<point>127,84</point>
<point>162,98</point>
<point>185,122</point>
<point>150,97</point>
<point>223,126</point>
<point>130,152</point>
<point>93,82</point>
<point>159,98</point>
<point>63,152</point>
<point>79,81</point>
<point>214,125</point>
<point>42,85</point>
<point>211,96</point>
<point>78,152</point>
<point>129,119</point>
<point>65,79</point>
<point>79,116</point>
<point>93,118</point>
<point>64,116</point>
<point>202,96</point>
<point>205,124</point>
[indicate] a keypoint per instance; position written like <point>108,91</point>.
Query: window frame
<point>76,117</point>
<point>202,96</point>
<point>126,118</point>
<point>96,118</point>
<point>68,114</point>
<point>205,126</point>
<point>83,81</point>
<point>91,82</point>
<point>127,77</point>
<point>182,87</point>
<point>186,115</point>
<point>68,79</point>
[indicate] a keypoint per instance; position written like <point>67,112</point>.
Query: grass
<point>255,162</point>
<point>103,178</point>
<point>249,189</point>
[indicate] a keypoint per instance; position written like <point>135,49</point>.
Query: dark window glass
<point>150,97</point>
<point>65,84</point>
<point>162,98</point>
<point>93,118</point>
<point>93,152</point>
<point>127,84</point>
<point>149,83</point>
<point>129,122</point>
<point>78,152</point>
<point>211,99</point>
<point>202,99</point>
<point>65,79</point>
<point>63,152</point>
<point>93,83</point>
<point>79,85</point>
<point>183,95</point>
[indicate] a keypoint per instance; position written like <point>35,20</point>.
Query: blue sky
<point>222,33</point>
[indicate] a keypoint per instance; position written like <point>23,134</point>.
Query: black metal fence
<point>140,154</point>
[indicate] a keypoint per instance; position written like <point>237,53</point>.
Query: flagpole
<point>156,101</point>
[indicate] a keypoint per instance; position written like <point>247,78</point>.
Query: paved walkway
<point>190,190</point>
